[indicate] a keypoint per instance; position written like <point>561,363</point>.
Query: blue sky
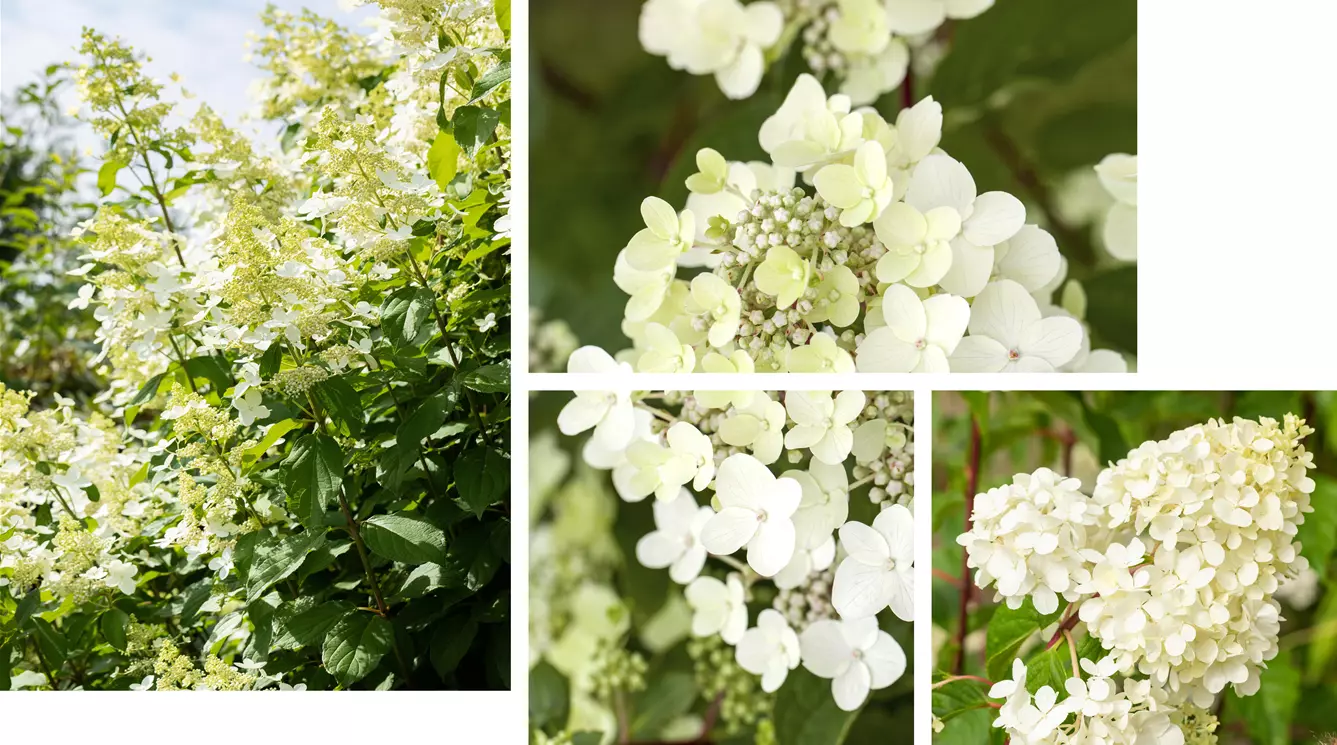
<point>203,40</point>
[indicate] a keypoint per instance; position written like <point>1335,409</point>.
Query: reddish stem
<point>972,487</point>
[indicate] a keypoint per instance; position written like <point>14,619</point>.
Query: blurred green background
<point>1023,431</point>
<point>1033,90</point>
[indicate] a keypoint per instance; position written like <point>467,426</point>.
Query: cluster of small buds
<point>807,604</point>
<point>818,51</point>
<point>790,218</point>
<point>1198,725</point>
<point>742,702</point>
<point>295,382</point>
<point>885,448</point>
<point>616,670</point>
<point>550,343</point>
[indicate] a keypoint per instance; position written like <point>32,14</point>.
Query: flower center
<point>920,344</point>
<point>1013,355</point>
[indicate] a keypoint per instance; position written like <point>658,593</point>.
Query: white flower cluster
<point>865,43</point>
<point>893,262</point>
<point>1172,564</point>
<point>793,524</point>
<point>1118,174</point>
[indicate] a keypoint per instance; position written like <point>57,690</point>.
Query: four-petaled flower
<point>756,510</point>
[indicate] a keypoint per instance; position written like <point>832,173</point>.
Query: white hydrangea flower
<point>862,190</point>
<point>608,413</point>
<point>759,426</point>
<point>856,656</point>
<point>718,607</point>
<point>720,37</point>
<point>756,511</point>
<point>922,16</point>
<point>822,423</point>
<point>676,541</point>
<point>809,128</point>
<point>1008,334</point>
<point>666,235</point>
<point>1118,174</point>
<point>920,335</point>
<point>769,649</point>
<point>1027,539</point>
<point>878,570</point>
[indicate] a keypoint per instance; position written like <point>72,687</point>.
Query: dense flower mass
<point>1172,564</point>
<point>861,246</point>
<point>865,44</point>
<point>296,338</point>
<point>755,516</point>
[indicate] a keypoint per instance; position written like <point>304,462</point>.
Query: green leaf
<point>148,390</point>
<point>502,9</point>
<point>405,314</point>
<point>6,666</point>
<point>1028,40</point>
<point>354,646</point>
<point>272,435</point>
<point>406,539</point>
<point>27,606</point>
<point>114,623</point>
<point>489,378</point>
<point>194,598</point>
<point>471,557</point>
<point>426,419</point>
<point>342,404</point>
<point>450,641</point>
<point>1318,533</point>
<point>1007,630</point>
<point>307,627</point>
<point>958,697</point>
<point>805,713</point>
<point>1111,306</point>
<point>443,159</point>
<point>473,127</point>
<point>52,643</point>
<point>1052,667</point>
<point>277,558</point>
<point>312,474</point>
<point>1268,713</point>
<point>210,368</point>
<point>106,176</point>
<point>667,697</point>
<point>500,73</point>
<point>549,698</point>
<point>482,476</point>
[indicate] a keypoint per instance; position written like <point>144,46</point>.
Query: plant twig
<point>972,486</point>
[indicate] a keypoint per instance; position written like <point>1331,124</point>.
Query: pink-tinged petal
<point>729,530</point>
<point>885,660</point>
<point>1003,311</point>
<point>881,351</point>
<point>1056,340</point>
<point>941,181</point>
<point>772,547</point>
<point>824,650</point>
<point>850,689</point>
<point>997,217</point>
<point>857,591</point>
<point>979,354</point>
